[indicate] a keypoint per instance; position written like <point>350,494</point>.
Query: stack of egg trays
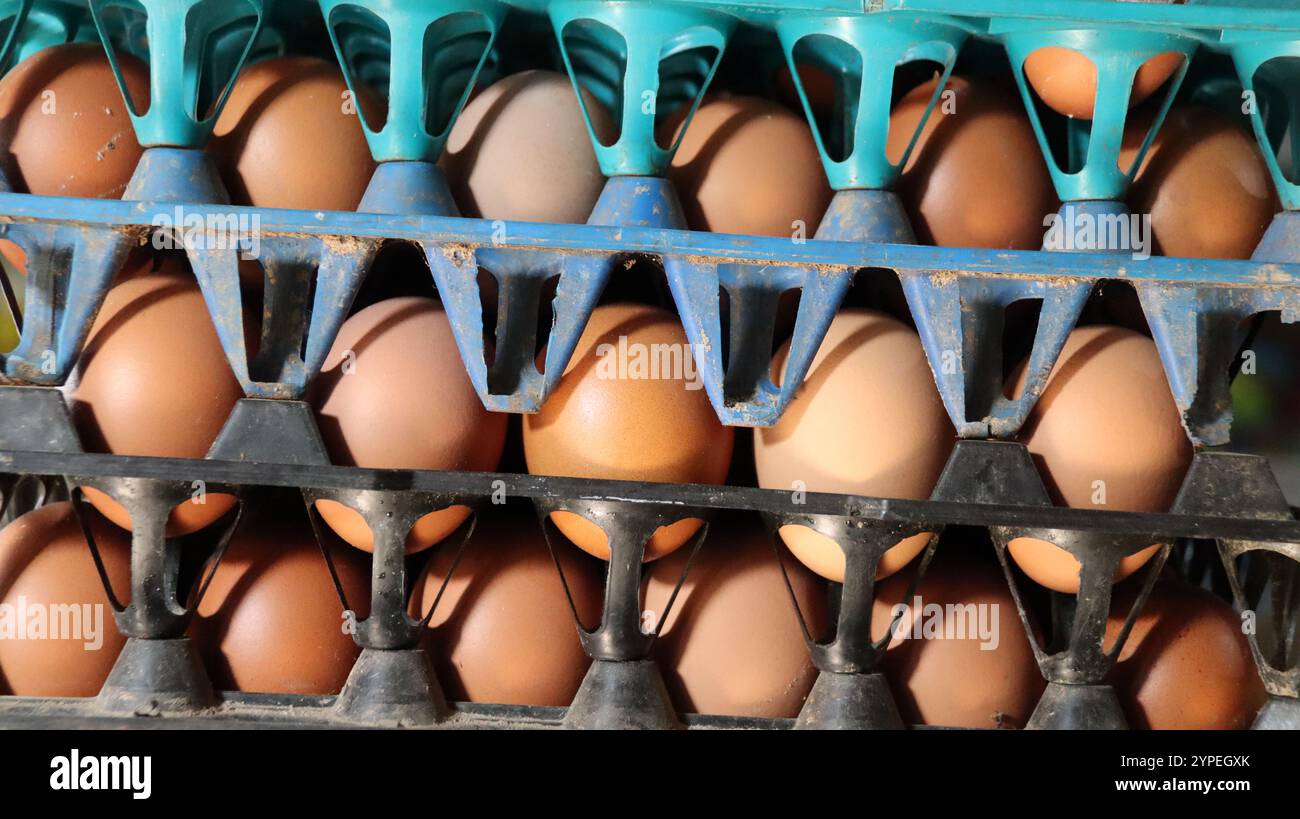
<point>629,53</point>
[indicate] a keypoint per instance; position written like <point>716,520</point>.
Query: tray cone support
<point>1077,697</point>
<point>1243,486</point>
<point>850,692</point>
<point>1070,707</point>
<point>158,670</point>
<point>392,682</point>
<point>624,688</point>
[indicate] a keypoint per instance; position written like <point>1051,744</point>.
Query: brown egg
<point>629,407</point>
<point>393,394</point>
<point>1186,664</point>
<point>1105,434</point>
<point>57,633</point>
<point>64,127</point>
<point>1204,183</point>
<point>140,260</point>
<point>1067,80</point>
<point>153,380</point>
<point>868,421</point>
<point>976,177</point>
<point>289,137</point>
<point>962,659</point>
<point>521,151</point>
<point>1057,569</point>
<point>750,166</point>
<point>14,256</point>
<point>732,643</point>
<point>503,630</point>
<point>818,84</point>
<point>271,619</point>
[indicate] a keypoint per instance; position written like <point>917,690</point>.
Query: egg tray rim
<point>473,487</point>
<point>464,235</point>
<point>1205,17</point>
<point>238,710</point>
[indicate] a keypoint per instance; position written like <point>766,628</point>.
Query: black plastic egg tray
<point>1228,501</point>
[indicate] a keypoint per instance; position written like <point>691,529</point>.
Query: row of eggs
<point>868,420</point>
<point>503,630</point>
<point>289,137</point>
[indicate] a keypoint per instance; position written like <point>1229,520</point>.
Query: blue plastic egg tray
<point>1195,308</point>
